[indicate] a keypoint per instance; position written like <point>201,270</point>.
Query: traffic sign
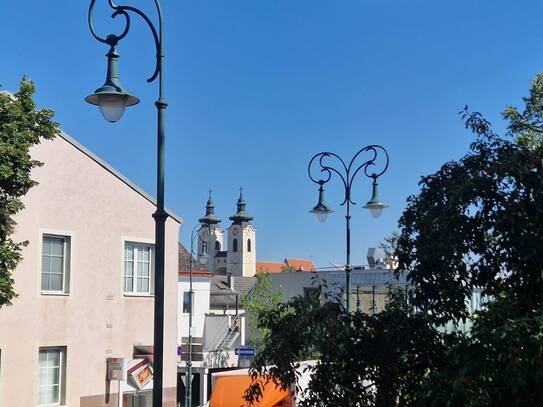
<point>245,351</point>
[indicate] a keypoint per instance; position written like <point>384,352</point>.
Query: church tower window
<point>248,245</point>
<point>235,245</point>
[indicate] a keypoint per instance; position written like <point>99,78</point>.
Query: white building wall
<point>201,288</point>
<point>249,257</point>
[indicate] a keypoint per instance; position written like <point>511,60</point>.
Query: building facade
<point>218,326</point>
<point>85,288</point>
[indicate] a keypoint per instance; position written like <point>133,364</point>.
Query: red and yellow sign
<point>142,376</point>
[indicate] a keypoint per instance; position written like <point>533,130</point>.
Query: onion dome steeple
<point>210,218</point>
<point>241,215</point>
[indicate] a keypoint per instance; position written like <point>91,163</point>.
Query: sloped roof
<point>269,267</point>
<point>184,263</point>
<point>115,173</point>
<point>300,265</point>
<point>244,285</point>
<point>221,295</point>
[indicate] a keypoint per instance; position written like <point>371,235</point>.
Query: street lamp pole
<point>112,99</point>
<point>347,174</point>
<point>203,231</point>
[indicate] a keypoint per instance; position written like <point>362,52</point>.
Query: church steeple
<point>241,216</point>
<point>210,218</point>
<point>241,253</point>
<point>213,245</point>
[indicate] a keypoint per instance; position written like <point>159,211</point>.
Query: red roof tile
<point>184,261</point>
<point>269,267</point>
<point>300,265</point>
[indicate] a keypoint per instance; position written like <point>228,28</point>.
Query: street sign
<point>116,368</point>
<point>245,351</point>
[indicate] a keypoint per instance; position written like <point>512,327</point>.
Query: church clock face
<point>235,231</point>
<point>205,234</point>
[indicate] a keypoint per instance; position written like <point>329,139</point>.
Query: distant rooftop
<point>184,263</point>
<point>285,265</point>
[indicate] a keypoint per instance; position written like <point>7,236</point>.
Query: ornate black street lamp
<point>347,174</point>
<point>112,100</point>
<point>204,232</point>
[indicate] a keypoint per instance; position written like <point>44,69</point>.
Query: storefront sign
<point>142,376</point>
<point>116,368</point>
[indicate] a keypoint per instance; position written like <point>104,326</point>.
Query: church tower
<point>241,257</point>
<point>213,244</point>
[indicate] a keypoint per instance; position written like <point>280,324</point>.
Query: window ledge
<point>55,294</point>
<point>136,295</point>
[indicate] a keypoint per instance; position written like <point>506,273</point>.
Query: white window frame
<point>138,244</point>
<point>66,264</point>
<point>61,395</point>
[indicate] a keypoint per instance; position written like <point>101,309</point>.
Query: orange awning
<point>229,390</point>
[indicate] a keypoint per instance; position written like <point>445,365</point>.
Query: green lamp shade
<point>375,204</point>
<point>111,97</point>
<point>320,210</point>
<point>204,257</point>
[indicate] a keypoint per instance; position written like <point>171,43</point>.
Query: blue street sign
<point>245,351</point>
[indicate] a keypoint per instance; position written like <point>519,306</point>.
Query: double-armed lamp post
<point>347,174</point>
<point>204,232</point>
<point>112,99</point>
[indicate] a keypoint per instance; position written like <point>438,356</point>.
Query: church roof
<point>241,215</point>
<point>210,218</point>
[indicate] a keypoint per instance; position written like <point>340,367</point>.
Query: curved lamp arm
<point>113,39</point>
<point>346,173</point>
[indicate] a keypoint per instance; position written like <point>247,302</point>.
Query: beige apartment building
<point>85,288</point>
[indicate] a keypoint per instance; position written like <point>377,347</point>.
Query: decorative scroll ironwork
<point>113,39</point>
<point>347,173</point>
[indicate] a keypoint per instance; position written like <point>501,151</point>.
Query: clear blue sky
<point>255,88</point>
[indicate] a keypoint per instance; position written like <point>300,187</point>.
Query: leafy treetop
<point>21,127</point>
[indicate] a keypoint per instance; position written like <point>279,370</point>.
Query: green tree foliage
<point>478,221</point>
<point>363,360</point>
<point>262,298</point>
<point>477,224</point>
<point>499,363</point>
<point>21,127</point>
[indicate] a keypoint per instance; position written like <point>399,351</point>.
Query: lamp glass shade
<point>375,212</point>
<point>320,210</point>
<point>321,216</point>
<point>375,204</point>
<point>112,105</point>
<point>203,259</point>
